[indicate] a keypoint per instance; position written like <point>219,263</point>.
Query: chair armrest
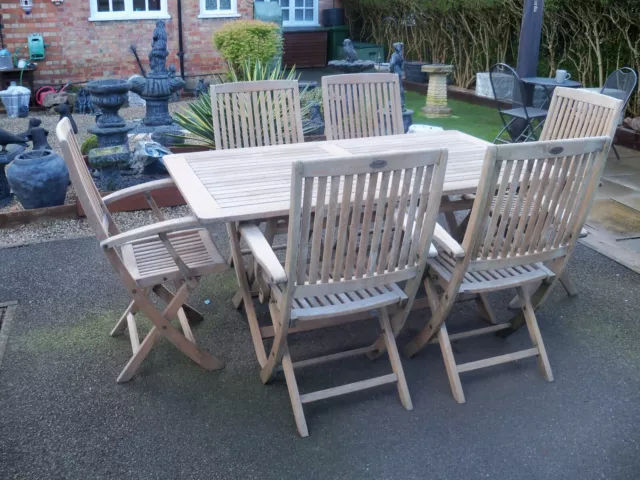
<point>166,226</point>
<point>442,238</point>
<point>263,253</point>
<point>136,189</point>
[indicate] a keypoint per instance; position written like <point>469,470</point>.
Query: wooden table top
<point>254,183</point>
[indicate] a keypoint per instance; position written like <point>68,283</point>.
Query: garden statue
<point>8,138</point>
<point>159,84</point>
<point>175,96</point>
<point>148,155</point>
<point>37,135</point>
<point>396,65</point>
<point>315,124</point>
<point>83,105</point>
<point>351,63</point>
<point>63,110</point>
<point>202,88</point>
<point>349,51</point>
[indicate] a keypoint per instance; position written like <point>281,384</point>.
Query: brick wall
<point>81,50</point>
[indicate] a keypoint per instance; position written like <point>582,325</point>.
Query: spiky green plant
<point>197,118</point>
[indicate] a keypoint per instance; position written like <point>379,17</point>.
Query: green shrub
<point>90,143</point>
<point>248,41</point>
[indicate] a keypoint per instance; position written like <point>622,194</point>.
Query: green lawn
<point>481,122</point>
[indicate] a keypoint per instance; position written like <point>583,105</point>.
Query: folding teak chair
<point>146,259</point>
<point>256,114</point>
<point>345,255</point>
<point>549,186</point>
<point>358,105</point>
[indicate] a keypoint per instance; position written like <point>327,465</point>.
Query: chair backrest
<point>548,187</point>
<point>362,105</point>
<point>254,114</point>
<point>507,86</point>
<point>577,113</point>
<point>87,192</point>
<point>624,80</point>
<point>347,216</point>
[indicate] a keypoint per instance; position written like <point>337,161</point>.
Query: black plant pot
<point>412,72</point>
<point>333,17</point>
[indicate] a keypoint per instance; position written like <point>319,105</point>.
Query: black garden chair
<point>522,123</point>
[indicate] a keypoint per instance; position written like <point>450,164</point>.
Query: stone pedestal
<point>111,129</point>
<point>436,105</point>
<point>5,159</point>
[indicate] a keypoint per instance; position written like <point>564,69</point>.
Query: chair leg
<point>394,358</point>
<point>568,284</point>
<point>121,326</point>
<point>145,347</point>
<point>166,296</point>
<point>615,150</point>
<point>450,364</point>
<point>534,333</point>
<point>294,394</point>
<point>484,308</point>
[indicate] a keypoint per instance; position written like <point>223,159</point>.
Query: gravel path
<point>75,228</point>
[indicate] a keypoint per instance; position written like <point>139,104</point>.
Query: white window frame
<point>230,13</point>
<point>300,23</point>
<point>128,13</point>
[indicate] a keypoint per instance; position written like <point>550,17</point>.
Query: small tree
<point>247,41</point>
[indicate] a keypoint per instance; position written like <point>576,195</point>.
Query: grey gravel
<point>75,228</point>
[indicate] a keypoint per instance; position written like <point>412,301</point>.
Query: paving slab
<point>64,417</point>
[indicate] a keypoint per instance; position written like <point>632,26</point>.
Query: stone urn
<point>38,178</point>
<point>109,95</point>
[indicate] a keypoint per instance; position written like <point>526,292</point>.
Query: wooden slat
<point>348,388</point>
<point>489,362</point>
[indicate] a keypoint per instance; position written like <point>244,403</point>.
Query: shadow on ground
<point>64,417</point>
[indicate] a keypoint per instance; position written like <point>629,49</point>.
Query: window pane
<point>211,4</point>
<point>308,14</point>
<point>284,3</point>
<point>117,5</point>
<point>299,3</point>
<point>299,15</point>
<point>139,6</point>
<point>309,3</point>
<point>225,4</point>
<point>103,5</point>
<point>285,15</point>
<point>154,5</point>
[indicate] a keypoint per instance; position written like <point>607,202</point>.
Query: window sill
<point>219,15</point>
<point>159,16</point>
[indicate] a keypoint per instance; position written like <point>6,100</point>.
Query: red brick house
<point>90,39</point>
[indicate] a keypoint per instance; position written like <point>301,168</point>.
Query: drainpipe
<point>180,42</point>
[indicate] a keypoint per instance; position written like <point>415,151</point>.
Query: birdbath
<point>111,129</point>
<point>351,63</point>
<point>436,105</point>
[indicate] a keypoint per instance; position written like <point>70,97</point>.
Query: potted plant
<point>333,17</point>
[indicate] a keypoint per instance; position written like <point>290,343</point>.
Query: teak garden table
<point>253,184</point>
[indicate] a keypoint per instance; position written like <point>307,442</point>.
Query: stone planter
<point>39,178</point>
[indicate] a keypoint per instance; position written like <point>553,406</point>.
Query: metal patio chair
<point>520,122</point>
<point>620,84</point>
<point>549,187</point>
<point>345,256</point>
<point>147,259</point>
<point>360,105</point>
